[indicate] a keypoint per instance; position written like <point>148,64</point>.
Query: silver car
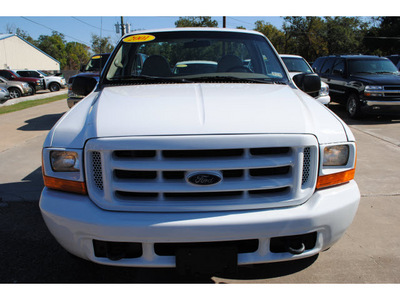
<point>15,88</point>
<point>4,94</point>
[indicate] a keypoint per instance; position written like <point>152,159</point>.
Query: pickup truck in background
<point>51,82</point>
<point>92,70</point>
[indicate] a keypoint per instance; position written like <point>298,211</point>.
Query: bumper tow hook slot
<point>296,247</point>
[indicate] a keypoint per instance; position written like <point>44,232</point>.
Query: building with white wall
<point>17,53</point>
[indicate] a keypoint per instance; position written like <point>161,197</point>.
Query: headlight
<point>62,170</point>
<point>25,85</point>
<point>324,91</point>
<point>373,91</point>
<point>336,155</point>
<point>64,161</point>
<point>337,166</point>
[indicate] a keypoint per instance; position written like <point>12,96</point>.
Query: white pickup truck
<point>210,167</point>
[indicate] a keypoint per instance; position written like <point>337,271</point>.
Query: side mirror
<point>83,86</point>
<point>308,83</point>
<point>82,68</point>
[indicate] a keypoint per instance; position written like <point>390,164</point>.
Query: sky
<point>80,28</point>
<point>79,19</point>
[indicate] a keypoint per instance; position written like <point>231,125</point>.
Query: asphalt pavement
<point>367,253</point>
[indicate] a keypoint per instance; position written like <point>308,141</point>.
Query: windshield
<point>372,66</point>
<point>297,64</point>
<point>195,55</point>
<point>96,63</point>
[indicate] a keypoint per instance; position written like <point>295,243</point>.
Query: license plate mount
<point>220,259</point>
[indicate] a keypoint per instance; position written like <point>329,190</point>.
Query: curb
<point>37,96</point>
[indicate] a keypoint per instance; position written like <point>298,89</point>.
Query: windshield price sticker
<point>139,38</point>
<point>96,57</point>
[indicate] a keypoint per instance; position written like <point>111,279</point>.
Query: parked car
<point>296,65</point>
<point>92,70</point>
<point>395,58</point>
<point>364,84</point>
<point>15,88</point>
<point>210,170</point>
<point>51,82</point>
<point>36,84</point>
<point>4,94</point>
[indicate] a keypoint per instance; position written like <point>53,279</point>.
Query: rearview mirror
<point>83,86</point>
<point>308,83</point>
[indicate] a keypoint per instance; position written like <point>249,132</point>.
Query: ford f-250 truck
<point>216,169</point>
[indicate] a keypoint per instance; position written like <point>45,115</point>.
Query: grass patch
<point>30,103</point>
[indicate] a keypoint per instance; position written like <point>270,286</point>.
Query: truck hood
<point>196,109</point>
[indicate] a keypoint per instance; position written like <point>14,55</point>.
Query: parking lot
<point>367,253</point>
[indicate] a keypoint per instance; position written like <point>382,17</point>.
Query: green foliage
<point>196,22</point>
<point>77,55</point>
<point>54,45</point>
<point>276,36</point>
<point>101,44</point>
<point>383,39</point>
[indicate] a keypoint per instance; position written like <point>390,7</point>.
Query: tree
<point>344,35</point>
<point>77,54</point>
<point>276,36</point>
<point>101,45</point>
<point>12,29</point>
<point>304,36</point>
<point>54,46</point>
<point>196,22</point>
<point>384,38</point>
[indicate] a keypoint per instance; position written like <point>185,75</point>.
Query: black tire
<point>54,87</point>
<point>33,89</point>
<point>14,93</point>
<point>353,108</point>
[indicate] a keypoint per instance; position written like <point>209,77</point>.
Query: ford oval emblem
<point>204,178</point>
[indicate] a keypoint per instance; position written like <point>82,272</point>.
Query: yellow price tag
<point>139,38</point>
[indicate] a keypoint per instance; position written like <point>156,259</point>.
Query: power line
<point>56,31</point>
<point>91,25</point>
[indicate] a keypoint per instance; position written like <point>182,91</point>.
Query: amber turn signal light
<point>335,179</point>
<point>65,185</point>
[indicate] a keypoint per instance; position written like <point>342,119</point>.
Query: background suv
<point>365,84</point>
<point>53,83</point>
<point>35,83</point>
<point>16,89</point>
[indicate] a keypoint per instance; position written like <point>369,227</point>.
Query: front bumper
<point>75,221</point>
<point>379,106</point>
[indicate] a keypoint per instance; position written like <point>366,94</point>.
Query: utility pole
<point>125,28</point>
<point>122,26</point>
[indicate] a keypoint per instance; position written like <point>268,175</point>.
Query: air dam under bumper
<point>75,221</point>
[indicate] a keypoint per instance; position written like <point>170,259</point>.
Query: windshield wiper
<point>232,78</point>
<point>148,78</point>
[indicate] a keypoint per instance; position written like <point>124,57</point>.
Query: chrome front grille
<point>392,91</point>
<point>274,171</point>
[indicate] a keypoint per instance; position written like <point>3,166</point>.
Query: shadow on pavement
<point>365,120</point>
<point>45,122</point>
<point>28,189</point>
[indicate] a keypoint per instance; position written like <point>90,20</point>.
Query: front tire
<point>54,87</point>
<point>353,107</point>
<point>33,90</point>
<point>14,93</point>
